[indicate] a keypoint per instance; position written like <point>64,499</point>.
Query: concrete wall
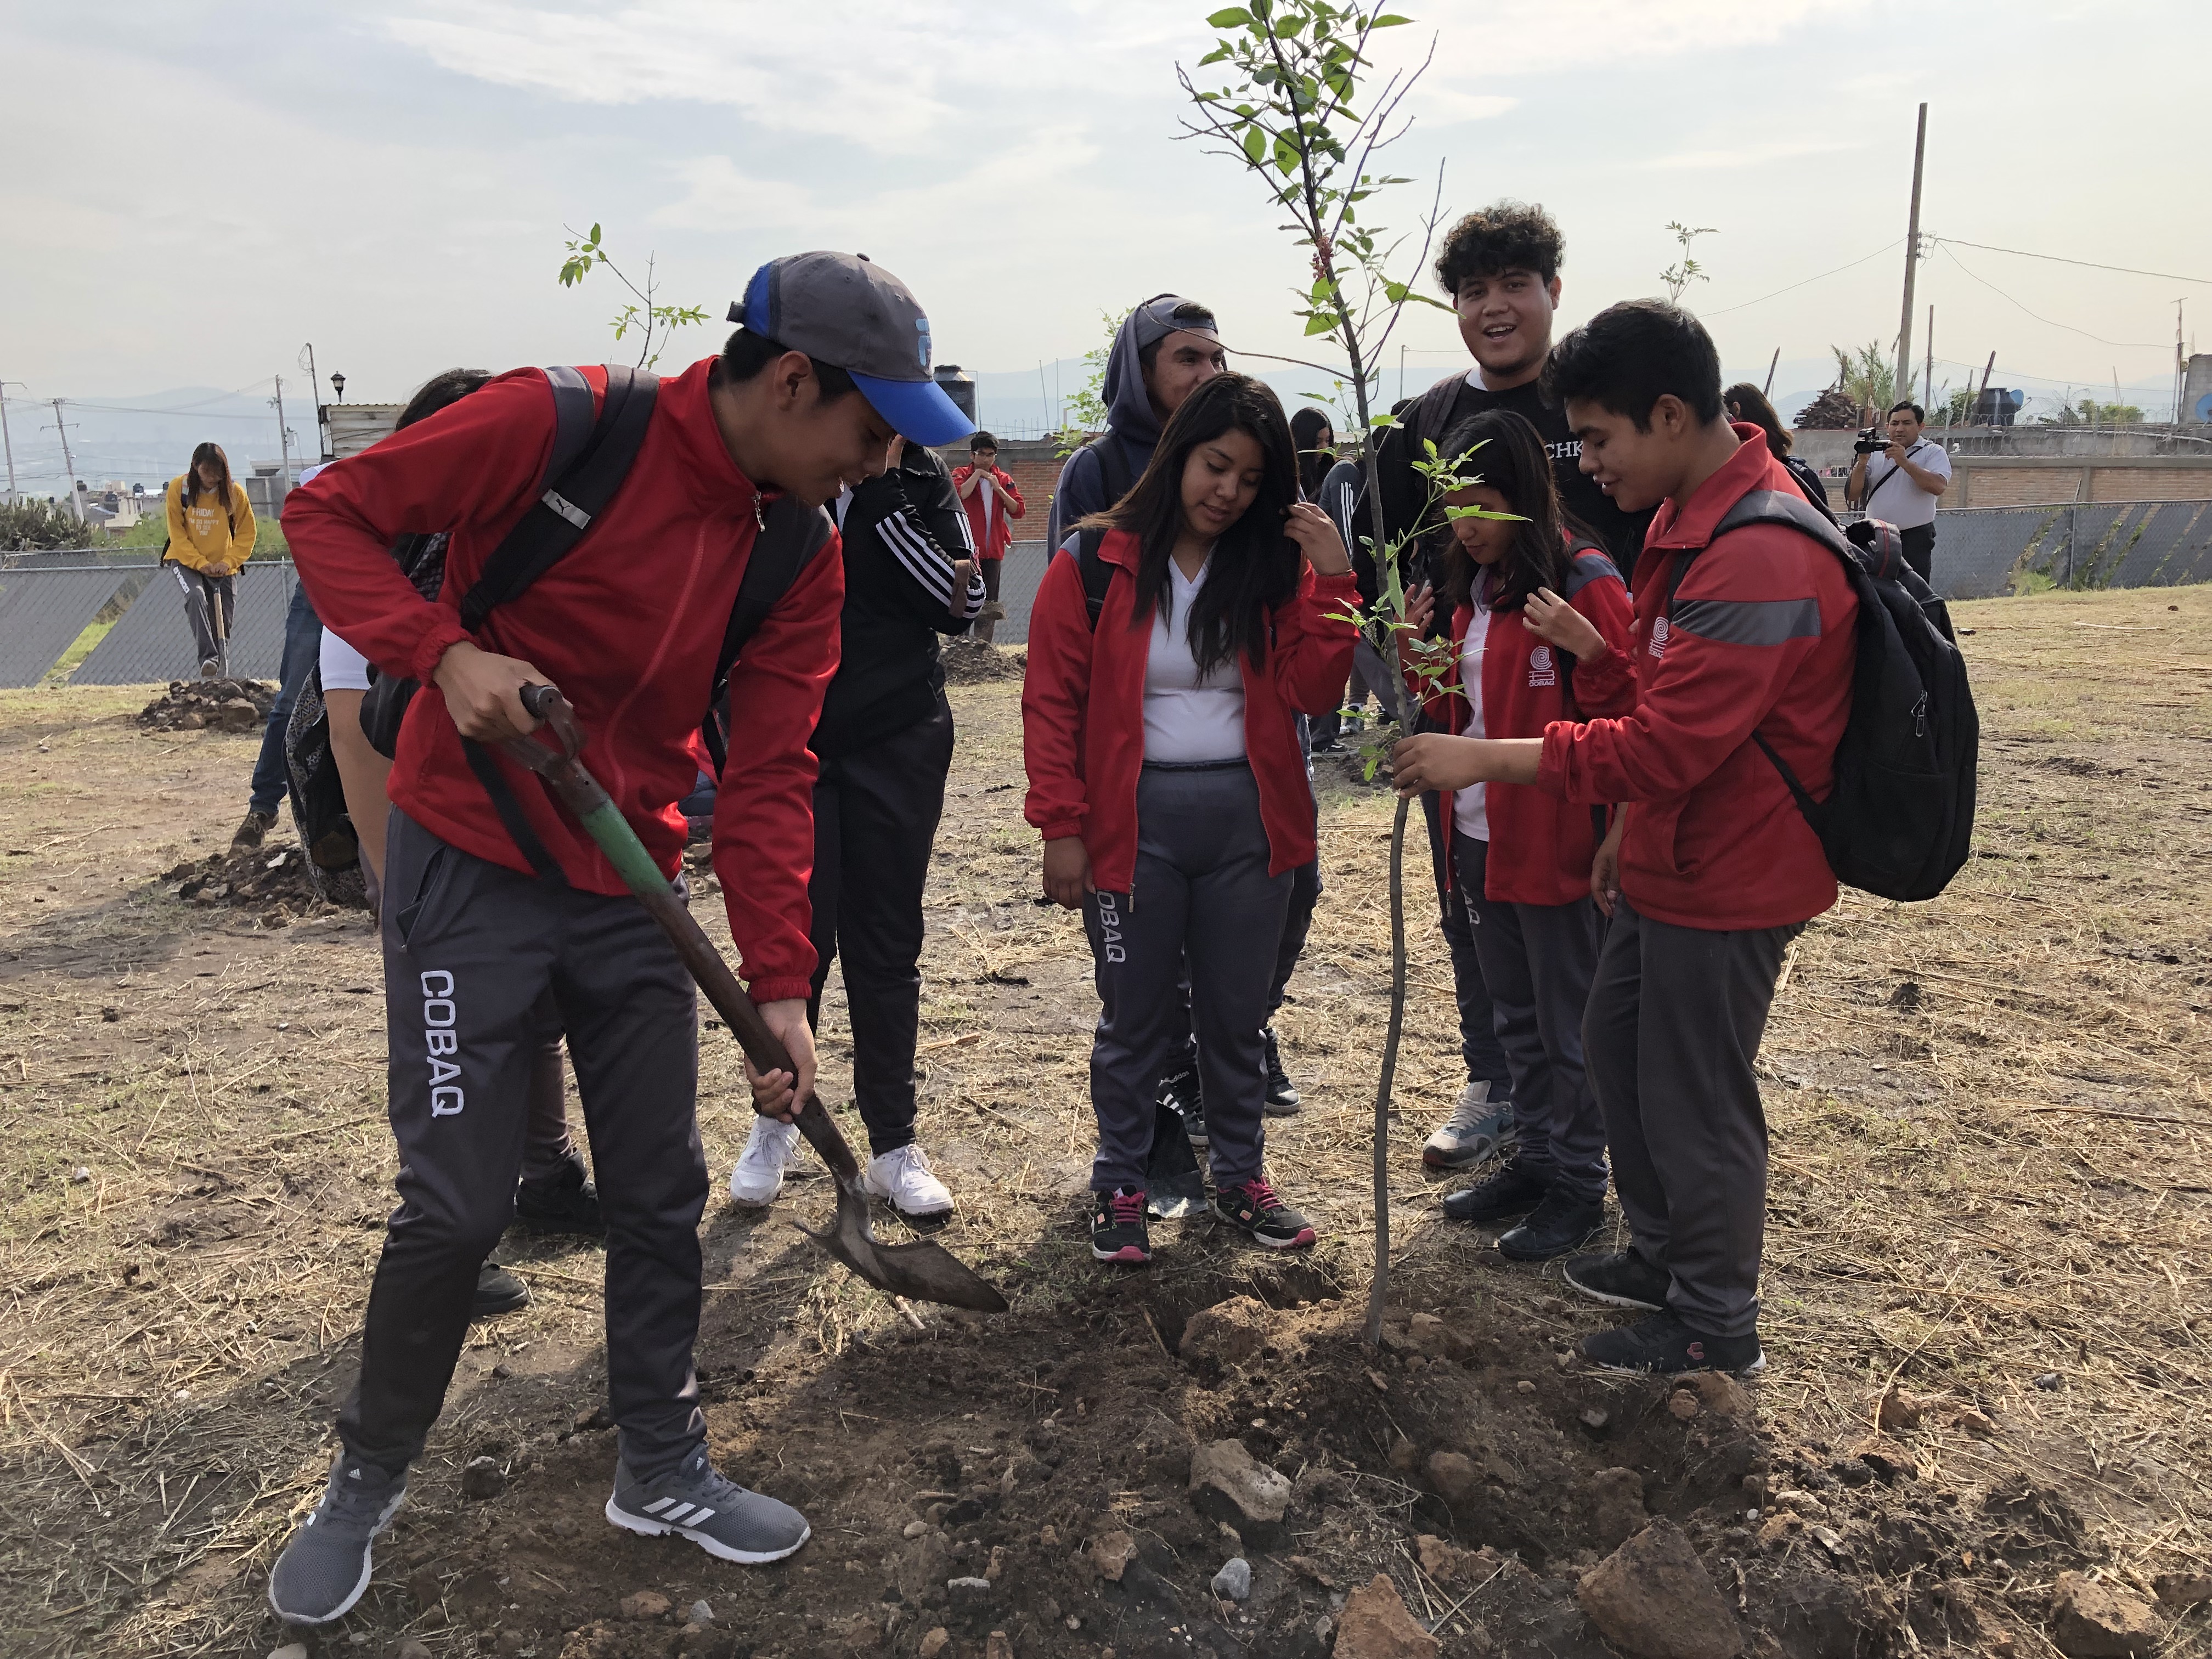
<point>2035,465</point>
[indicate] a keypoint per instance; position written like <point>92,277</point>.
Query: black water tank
<point>958,386</point>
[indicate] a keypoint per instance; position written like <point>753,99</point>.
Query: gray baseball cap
<point>844,310</point>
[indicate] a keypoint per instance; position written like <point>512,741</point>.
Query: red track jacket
<point>1540,847</point>
<point>1083,711</point>
<point>1762,639</point>
<point>628,625</point>
<point>1010,506</point>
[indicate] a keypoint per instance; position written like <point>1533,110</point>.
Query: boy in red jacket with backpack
<point>1743,649</point>
<point>991,502</point>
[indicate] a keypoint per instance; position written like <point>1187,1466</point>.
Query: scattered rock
<point>1617,1511</point>
<point>289,1650</point>
<point>1375,1625</point>
<point>2092,1621</point>
<point>2183,1589</point>
<point>1721,1394</point>
<point>967,1591</point>
<point>1890,1461</point>
<point>509,1644</point>
<point>1234,1581</point>
<point>2048,1381</point>
<point>915,1529</point>
<point>645,1604</point>
<point>1898,1412</point>
<point>1405,1455</point>
<point>1684,1404</point>
<point>1306,1566</point>
<point>483,1478</point>
<point>996,1568</point>
<point>935,1643</point>
<point>1111,1553</point>
<point>1593,1418</point>
<point>1440,1559</point>
<point>1227,1484</point>
<point>701,1613</point>
<point>1974,1422</point>
<point>996,1646</point>
<point>1651,1599</point>
<point>924,1565</point>
<point>196,705</point>
<point>411,1649</point>
<point>1229,1333</point>
<point>1453,1475</point>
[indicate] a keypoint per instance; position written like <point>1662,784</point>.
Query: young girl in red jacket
<point>1168,655</point>
<point>1539,626</point>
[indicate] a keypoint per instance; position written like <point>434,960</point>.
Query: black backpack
<point>1898,820</point>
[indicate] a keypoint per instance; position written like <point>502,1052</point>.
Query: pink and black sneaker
<point>1118,1233</point>
<point>1253,1206</point>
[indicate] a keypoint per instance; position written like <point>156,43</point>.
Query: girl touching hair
<point>1169,655</point>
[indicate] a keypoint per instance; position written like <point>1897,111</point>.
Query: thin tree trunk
<point>1379,1292</point>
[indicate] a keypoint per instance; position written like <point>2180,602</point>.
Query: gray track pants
<point>1202,895</point>
<point>1674,1028</point>
<point>203,595</point>
<point>483,968</point>
<point>1537,964</point>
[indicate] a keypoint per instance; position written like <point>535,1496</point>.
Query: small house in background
<point>348,428</point>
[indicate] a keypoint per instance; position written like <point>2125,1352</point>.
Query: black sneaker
<point>1118,1233</point>
<point>566,1203</point>
<point>1621,1278</point>
<point>1558,1224</point>
<point>1665,1345</point>
<point>1180,1089</point>
<point>325,1565</point>
<point>1252,1207</point>
<point>1511,1192</point>
<point>498,1291</point>
<point>1282,1097</point>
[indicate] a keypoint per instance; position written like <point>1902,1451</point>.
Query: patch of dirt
<point>272,881</point>
<point>217,705</point>
<point>974,662</point>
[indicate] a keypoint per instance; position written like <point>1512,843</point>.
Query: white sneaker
<point>1478,1127</point>
<point>770,1149</point>
<point>903,1177</point>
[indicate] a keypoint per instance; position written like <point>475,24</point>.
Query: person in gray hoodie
<point>1166,349</point>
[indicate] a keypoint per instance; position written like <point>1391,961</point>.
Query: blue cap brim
<point>918,411</point>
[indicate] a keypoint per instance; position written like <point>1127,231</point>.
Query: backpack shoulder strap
<point>1098,574</point>
<point>791,534</point>
<point>1114,470</point>
<point>1433,409</point>
<point>1772,507</point>
<point>580,479</point>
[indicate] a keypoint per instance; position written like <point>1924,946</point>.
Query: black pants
<point>1674,1028</point>
<point>1478,1019</point>
<point>1920,551</point>
<point>986,628</point>
<point>206,599</point>
<point>470,953</point>
<point>875,816</point>
<point>1537,964</point>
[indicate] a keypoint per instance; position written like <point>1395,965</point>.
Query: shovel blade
<point>921,1272</point>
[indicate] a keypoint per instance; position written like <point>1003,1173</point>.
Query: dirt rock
<point>1453,1475</point>
<point>289,1650</point>
<point>645,1604</point>
<point>1227,1485</point>
<point>1234,1581</point>
<point>1440,1559</point>
<point>1375,1625</point>
<point>1721,1394</point>
<point>483,1478</point>
<point>1890,1461</point>
<point>411,1649</point>
<point>997,1646</point>
<point>194,705</point>
<point>935,1643</point>
<point>2092,1621</point>
<point>1651,1598</point>
<point>1684,1404</point>
<point>1306,1566</point>
<point>967,661</point>
<point>1229,1334</point>
<point>1898,1411</point>
<point>1110,1554</point>
<point>2183,1589</point>
<point>1617,1513</point>
<point>924,1565</point>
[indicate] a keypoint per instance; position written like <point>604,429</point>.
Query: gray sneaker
<point>719,1516</point>
<point>1479,1127</point>
<point>325,1569</point>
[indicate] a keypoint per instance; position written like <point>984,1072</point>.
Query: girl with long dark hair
<point>1169,655</point>
<point>1748,404</point>
<point>1316,446</point>
<point>1540,631</point>
<point>211,533</point>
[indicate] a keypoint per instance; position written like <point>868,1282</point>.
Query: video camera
<point>1871,442</point>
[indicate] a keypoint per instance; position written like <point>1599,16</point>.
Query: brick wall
<point>1034,464</point>
<point>2024,480</point>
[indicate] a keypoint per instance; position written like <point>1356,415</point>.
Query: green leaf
<point>1256,144</point>
<point>1390,21</point>
<point>1236,17</point>
<point>1320,323</point>
<point>594,236</point>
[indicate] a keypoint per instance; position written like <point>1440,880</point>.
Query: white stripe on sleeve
<point>918,555</point>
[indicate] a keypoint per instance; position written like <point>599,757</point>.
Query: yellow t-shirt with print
<point>205,537</point>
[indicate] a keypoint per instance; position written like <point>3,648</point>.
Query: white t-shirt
<point>1470,806</point>
<point>1188,717</point>
<point>1893,495</point>
<point>987,489</point>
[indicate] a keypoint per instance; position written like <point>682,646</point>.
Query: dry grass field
<point>1990,1132</point>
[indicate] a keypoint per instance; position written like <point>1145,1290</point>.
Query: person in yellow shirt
<point>210,537</point>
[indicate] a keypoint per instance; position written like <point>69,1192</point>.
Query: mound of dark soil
<point>220,705</point>
<point>272,882</point>
<point>968,662</point>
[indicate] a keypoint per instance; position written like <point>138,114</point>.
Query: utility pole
<point>2180,373</point>
<point>322,427</point>
<point>68,462</point>
<point>1928,379</point>
<point>1987,369</point>
<point>283,447</point>
<point>1912,259</point>
<point>1773,363</point>
<point>8,443</point>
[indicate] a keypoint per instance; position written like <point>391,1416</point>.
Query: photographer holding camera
<point>1909,473</point>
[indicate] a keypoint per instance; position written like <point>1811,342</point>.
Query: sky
<point>202,187</point>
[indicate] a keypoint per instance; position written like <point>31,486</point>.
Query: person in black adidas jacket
<point>884,743</point>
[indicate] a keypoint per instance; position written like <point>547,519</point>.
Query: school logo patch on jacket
<point>1541,671</point>
<point>1659,636</point>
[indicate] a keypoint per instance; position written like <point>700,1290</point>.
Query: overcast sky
<point>200,186</point>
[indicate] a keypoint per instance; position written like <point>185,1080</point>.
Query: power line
<point>1779,292</point>
<point>2127,345</point>
<point>2059,259</point>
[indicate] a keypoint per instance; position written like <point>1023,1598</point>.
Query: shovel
<point>922,1272</point>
